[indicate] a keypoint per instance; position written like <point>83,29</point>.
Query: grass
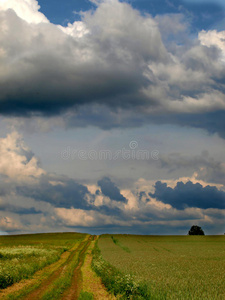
<point>116,242</point>
<point>21,263</point>
<point>85,296</point>
<point>175,267</point>
<point>64,281</point>
<point>21,256</point>
<point>91,283</point>
<point>122,285</point>
<point>131,267</point>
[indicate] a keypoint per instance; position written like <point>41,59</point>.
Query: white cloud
<point>85,218</point>
<point>28,10</point>
<point>9,224</point>
<point>92,188</point>
<point>77,217</point>
<point>214,100</point>
<point>213,38</point>
<point>132,203</point>
<point>16,159</point>
<point>77,30</point>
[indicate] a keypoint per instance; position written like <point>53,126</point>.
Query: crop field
<point>81,266</point>
<point>173,267</point>
<point>46,266</point>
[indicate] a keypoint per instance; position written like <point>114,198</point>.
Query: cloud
<point>7,224</point>
<point>16,160</point>
<point>110,190</point>
<point>42,201</point>
<point>100,63</point>
<point>213,122</point>
<point>213,38</point>
<point>109,62</point>
<point>28,10</point>
<point>77,217</point>
<point>174,29</point>
<point>189,195</point>
<point>82,218</point>
<point>66,193</point>
<point>26,189</point>
<point>205,168</point>
<point>18,209</point>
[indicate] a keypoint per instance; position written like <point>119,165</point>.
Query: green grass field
<point>175,267</point>
<point>21,256</point>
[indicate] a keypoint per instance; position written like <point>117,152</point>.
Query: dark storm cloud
<point>51,71</point>
<point>110,190</point>
<point>67,193</point>
<point>111,63</point>
<point>105,118</point>
<point>145,215</point>
<point>189,195</point>
<point>109,210</point>
<point>19,210</point>
<point>213,122</point>
<point>60,192</point>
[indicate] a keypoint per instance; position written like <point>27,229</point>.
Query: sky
<point>112,116</point>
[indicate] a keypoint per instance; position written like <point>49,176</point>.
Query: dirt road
<point>63,280</point>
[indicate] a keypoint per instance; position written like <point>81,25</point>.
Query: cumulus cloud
<point>81,218</point>
<point>189,195</point>
<point>213,38</point>
<point>113,59</point>
<point>17,161</point>
<point>33,200</point>
<point>27,10</point>
<point>64,192</point>
<point>27,190</point>
<point>110,190</point>
<point>8,224</point>
<point>101,61</point>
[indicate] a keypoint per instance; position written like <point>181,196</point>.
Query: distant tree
<point>196,230</point>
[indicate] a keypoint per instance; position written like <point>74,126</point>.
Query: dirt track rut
<point>75,266</point>
<point>76,286</point>
<point>38,293</point>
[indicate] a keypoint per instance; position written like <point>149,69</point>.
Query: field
<point>21,256</point>
<point>47,266</point>
<point>61,266</point>
<point>175,267</point>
